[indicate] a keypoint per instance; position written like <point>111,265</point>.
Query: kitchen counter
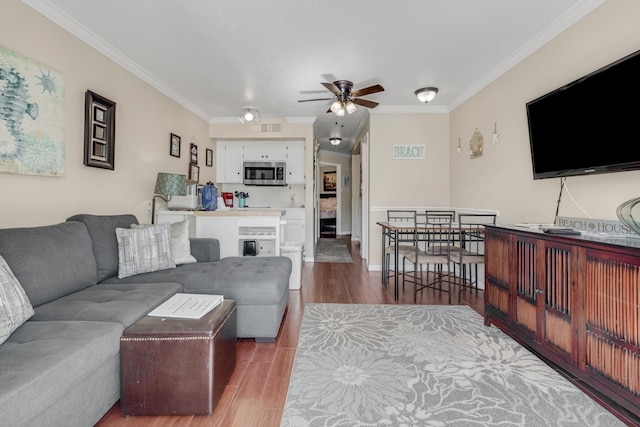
<point>241,212</point>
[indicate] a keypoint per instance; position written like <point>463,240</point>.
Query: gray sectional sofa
<point>62,366</point>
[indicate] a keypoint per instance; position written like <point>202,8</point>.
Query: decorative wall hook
<point>459,147</point>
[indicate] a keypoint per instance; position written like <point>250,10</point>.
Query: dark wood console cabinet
<point>573,301</point>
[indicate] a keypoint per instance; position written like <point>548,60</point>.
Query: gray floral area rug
<point>410,366</point>
<point>332,250</point>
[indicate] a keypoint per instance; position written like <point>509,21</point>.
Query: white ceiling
<point>217,56</point>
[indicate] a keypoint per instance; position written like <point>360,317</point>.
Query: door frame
<point>338,167</point>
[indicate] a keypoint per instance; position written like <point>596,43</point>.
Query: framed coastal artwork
<point>32,108</point>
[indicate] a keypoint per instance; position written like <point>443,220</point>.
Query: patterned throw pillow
<point>15,308</point>
<point>142,250</point>
<point>180,243</point>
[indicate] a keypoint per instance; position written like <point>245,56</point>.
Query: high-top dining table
<point>392,231</point>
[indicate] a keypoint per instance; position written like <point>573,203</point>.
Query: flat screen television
<point>589,126</point>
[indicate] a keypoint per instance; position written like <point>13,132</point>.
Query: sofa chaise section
<point>258,285</point>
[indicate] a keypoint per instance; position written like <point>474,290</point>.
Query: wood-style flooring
<point>256,393</point>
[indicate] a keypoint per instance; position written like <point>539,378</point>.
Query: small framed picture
<point>194,173</point>
<point>194,153</point>
<point>329,182</point>
<point>174,145</point>
<point>209,157</point>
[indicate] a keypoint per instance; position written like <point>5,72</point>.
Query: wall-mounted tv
<point>589,126</point>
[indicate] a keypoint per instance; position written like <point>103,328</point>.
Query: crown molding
<point>548,33</point>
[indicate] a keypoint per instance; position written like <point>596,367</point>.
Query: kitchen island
<point>234,227</point>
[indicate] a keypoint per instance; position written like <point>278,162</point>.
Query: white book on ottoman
<point>187,306</point>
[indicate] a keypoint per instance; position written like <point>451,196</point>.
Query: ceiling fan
<point>346,99</point>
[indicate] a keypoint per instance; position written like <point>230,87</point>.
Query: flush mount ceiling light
<point>250,114</point>
<point>426,94</point>
<point>335,141</point>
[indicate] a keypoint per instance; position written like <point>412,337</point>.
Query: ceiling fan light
<point>350,107</point>
<point>335,141</point>
<point>337,107</point>
<point>426,94</point>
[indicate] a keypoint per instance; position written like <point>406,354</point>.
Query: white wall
<point>502,178</point>
<point>405,183</point>
<point>144,120</point>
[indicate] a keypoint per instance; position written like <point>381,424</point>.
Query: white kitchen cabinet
<point>229,162</point>
<point>293,230</point>
<point>296,162</point>
<point>265,151</point>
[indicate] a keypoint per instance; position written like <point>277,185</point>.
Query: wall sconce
<point>335,141</point>
<point>168,184</point>
<point>426,94</point>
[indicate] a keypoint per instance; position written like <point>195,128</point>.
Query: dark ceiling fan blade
<point>365,103</point>
<point>367,90</point>
<point>315,99</point>
<point>332,87</point>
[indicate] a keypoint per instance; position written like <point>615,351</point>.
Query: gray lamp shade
<point>171,184</point>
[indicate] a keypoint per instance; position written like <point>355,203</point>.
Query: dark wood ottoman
<point>176,366</point>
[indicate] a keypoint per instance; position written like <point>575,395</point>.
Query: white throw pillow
<point>142,250</point>
<point>180,243</point>
<point>15,307</point>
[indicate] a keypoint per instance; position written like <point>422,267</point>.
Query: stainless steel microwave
<point>264,173</point>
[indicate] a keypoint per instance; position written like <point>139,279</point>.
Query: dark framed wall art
<point>99,131</point>
<point>209,157</point>
<point>174,145</point>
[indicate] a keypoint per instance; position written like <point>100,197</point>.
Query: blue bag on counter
<point>209,197</point>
